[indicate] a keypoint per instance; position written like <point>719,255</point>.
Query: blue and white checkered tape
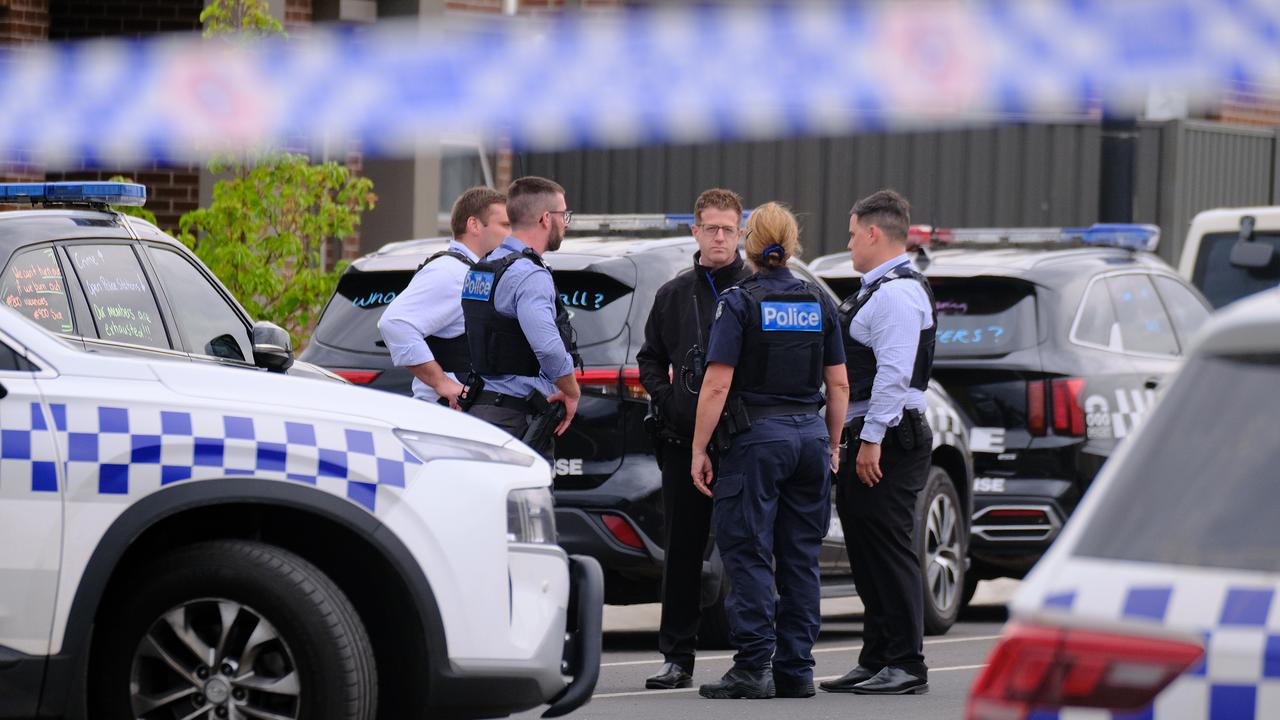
<point>116,453</point>
<point>640,75</point>
<point>1238,621</point>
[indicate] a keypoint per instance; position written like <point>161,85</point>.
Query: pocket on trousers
<point>733,524</point>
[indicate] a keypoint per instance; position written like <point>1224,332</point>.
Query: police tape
<point>626,77</point>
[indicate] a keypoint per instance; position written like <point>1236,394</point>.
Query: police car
<point>1161,600</point>
<point>608,486</point>
<point>1230,253</point>
<point>118,285</point>
<point>180,540</point>
<point>1053,342</point>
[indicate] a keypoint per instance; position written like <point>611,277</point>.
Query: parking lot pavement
<point>954,659</point>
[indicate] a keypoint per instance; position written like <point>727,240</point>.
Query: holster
<point>547,417</point>
<point>471,390</point>
<point>734,420</point>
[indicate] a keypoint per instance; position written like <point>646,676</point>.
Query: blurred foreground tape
<point>627,77</point>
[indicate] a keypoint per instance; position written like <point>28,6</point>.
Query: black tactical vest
<point>452,353</point>
<point>496,342</point>
<point>862,359</point>
<point>782,341</point>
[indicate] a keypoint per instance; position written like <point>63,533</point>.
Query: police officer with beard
<point>888,329</point>
<point>774,342</point>
<point>672,362</point>
<point>522,345</point>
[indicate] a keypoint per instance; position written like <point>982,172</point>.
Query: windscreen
<point>1199,485</point>
<point>983,316</point>
<point>1220,281</point>
<point>350,321</point>
<point>597,304</point>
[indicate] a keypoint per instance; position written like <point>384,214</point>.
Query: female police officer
<point>774,341</point>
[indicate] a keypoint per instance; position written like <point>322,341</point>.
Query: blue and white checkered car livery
<point>119,453</point>
<point>1235,614</point>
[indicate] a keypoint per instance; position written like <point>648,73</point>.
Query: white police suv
<point>1161,598</point>
<point>181,540</point>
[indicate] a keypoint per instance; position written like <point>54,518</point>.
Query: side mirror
<point>272,348</point>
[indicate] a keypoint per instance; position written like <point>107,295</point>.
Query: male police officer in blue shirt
<point>889,331</point>
<point>773,344</point>
<point>521,342</point>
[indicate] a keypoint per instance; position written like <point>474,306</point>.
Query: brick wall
<point>297,14</point>
<point>78,19</point>
<point>22,22</point>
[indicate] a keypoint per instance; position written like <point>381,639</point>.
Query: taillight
<point>622,530</point>
<point>1036,422</point>
<point>359,377</point>
<point>612,383</point>
<point>1045,668</point>
<point>1068,414</point>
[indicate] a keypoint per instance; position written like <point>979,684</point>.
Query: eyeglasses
<point>568,215</point>
<point>714,230</point>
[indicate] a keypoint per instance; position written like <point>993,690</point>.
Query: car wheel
<point>939,532</point>
<point>232,629</point>
<point>713,632</point>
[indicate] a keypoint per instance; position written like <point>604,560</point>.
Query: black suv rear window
<point>1199,485</point>
<point>350,321</point>
<point>1220,281</point>
<point>597,303</point>
<point>983,316</point>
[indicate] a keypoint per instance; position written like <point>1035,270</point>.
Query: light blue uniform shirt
<point>528,294</point>
<point>890,324</point>
<point>430,307</point>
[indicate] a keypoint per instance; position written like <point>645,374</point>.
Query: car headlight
<point>427,447</point>
<point>531,516</point>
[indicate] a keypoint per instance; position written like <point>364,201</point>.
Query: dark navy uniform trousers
<point>773,507</point>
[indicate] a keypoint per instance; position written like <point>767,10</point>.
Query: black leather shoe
<point>741,683</point>
<point>670,677</point>
<point>892,681</point>
<point>845,683</point>
<point>792,688</point>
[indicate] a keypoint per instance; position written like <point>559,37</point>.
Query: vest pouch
<point>791,366</point>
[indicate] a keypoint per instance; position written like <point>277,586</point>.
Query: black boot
<point>670,677</point>
<point>741,683</point>
<point>846,682</point>
<point>789,687</point>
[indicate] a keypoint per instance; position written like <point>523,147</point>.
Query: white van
<point>1232,252</point>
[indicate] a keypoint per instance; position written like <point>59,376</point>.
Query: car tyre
<point>940,535</point>
<point>237,627</point>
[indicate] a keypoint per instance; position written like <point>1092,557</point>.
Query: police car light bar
<point>638,222</point>
<point>73,193</point>
<point>1129,236</point>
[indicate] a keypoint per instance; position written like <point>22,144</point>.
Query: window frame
<point>1079,314</point>
<point>169,307</point>
<point>1183,343</point>
<point>72,294</point>
<point>144,266</point>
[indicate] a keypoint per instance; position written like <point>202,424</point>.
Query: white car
<point>190,541</point>
<point>1161,598</point>
<point>1230,253</point>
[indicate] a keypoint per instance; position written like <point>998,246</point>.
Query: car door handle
<point>1151,383</point>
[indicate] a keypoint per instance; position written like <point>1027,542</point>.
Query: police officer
<point>423,326</point>
<point>889,336</point>
<point>518,332</point>
<point>672,362</point>
<point>774,342</point>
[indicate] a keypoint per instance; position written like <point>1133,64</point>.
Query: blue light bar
<point>73,193</point>
<point>1129,236</point>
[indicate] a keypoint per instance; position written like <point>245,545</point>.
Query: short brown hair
<point>475,202</point>
<point>772,224</point>
<point>887,210</point>
<point>529,197</point>
<point>718,198</point>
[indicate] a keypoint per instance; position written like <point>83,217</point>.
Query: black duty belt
<point>497,399</point>
<point>759,412</point>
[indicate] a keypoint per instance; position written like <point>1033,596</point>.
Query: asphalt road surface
<point>630,655</point>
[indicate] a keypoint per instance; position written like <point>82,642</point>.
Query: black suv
<point>116,284</point>
<point>1053,342</point>
<point>607,486</point>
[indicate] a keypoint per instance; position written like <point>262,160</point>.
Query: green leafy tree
<point>264,235</point>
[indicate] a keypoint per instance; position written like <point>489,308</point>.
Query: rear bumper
<point>1012,529</point>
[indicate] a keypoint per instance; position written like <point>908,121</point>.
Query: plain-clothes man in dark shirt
<point>671,364</point>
